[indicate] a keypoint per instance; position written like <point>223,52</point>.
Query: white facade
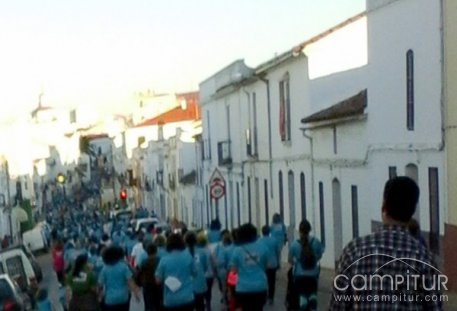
<point>331,170</point>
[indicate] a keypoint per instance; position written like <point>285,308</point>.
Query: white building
<point>161,151</point>
<point>315,132</point>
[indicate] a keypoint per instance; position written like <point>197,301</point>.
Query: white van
<point>15,263</point>
<point>35,239</point>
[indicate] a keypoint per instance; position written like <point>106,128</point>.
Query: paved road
<point>325,285</point>
<point>50,282</point>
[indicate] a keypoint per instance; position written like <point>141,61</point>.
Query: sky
<point>98,53</point>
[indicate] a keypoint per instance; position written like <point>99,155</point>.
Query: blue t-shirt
<point>201,261</point>
<point>295,254</point>
<point>118,238</point>
<point>270,244</point>
<point>278,232</point>
<point>178,265</point>
<point>129,243</point>
<point>161,253</point>
<point>223,255</point>
<point>214,236</point>
<point>250,261</point>
<point>44,305</point>
<point>114,280</point>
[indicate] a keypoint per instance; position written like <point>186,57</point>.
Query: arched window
<point>303,195</point>
<point>410,90</point>
<point>281,195</point>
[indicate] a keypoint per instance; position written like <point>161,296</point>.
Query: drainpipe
<point>270,151</point>
<point>444,125</point>
<point>313,197</point>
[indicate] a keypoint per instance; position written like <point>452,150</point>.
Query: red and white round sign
<point>217,190</point>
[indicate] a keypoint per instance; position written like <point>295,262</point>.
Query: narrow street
<point>326,279</point>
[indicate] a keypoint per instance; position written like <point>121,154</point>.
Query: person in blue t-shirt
<point>278,232</point>
<point>116,280</point>
<point>160,242</point>
<point>42,300</point>
<point>250,260</point>
<point>223,254</point>
<point>176,272</point>
<point>273,264</point>
<point>214,233</point>
<point>304,256</point>
<point>201,262</point>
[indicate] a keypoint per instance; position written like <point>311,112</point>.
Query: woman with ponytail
<point>304,256</point>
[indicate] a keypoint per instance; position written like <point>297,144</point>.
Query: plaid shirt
<point>387,270</point>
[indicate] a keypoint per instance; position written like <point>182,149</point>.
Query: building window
<point>433,188</point>
<point>355,211</point>
<point>265,192</point>
<point>254,129</point>
<point>207,141</point>
<point>410,90</point>
<point>335,145</point>
<point>392,172</point>
<point>284,108</point>
<point>281,195</point>
<point>303,196</point>
<point>208,207</point>
<point>249,200</point>
<point>322,212</point>
<point>238,205</point>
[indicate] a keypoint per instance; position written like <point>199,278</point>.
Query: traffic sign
<point>217,191</point>
<point>216,185</point>
<point>216,177</point>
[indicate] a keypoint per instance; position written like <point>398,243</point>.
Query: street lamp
<point>61,180</point>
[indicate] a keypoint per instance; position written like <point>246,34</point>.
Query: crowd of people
<point>102,263</point>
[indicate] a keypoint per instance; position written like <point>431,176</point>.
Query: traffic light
<point>123,195</point>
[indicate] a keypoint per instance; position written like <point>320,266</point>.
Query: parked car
<point>123,215</point>
<point>144,223</point>
<point>35,265</point>
<point>11,296</point>
<point>16,261</point>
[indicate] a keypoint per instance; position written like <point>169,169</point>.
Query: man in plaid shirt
<point>389,269</point>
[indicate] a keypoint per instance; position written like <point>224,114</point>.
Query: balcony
<point>224,154</point>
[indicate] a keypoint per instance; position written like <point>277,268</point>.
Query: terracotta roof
<point>352,106</point>
<point>95,136</point>
<point>177,114</point>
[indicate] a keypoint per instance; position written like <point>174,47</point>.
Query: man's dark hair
<point>266,230</point>
<point>247,233</point>
<point>112,255</point>
<point>151,249</point>
<point>175,242</point>
<point>215,224</point>
<point>400,198</point>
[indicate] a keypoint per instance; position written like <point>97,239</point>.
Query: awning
<point>20,214</point>
<point>350,107</point>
